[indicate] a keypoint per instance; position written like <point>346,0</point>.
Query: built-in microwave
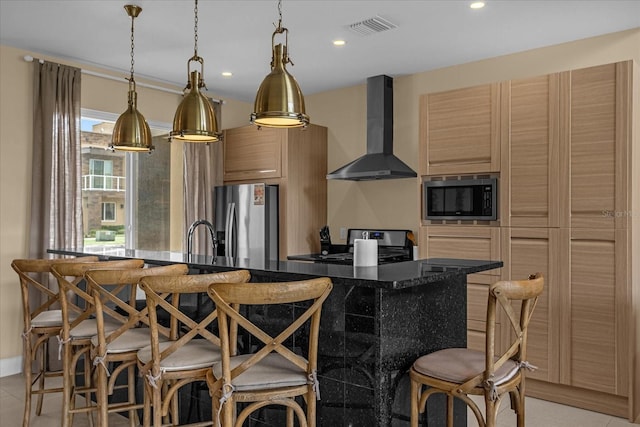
<point>460,199</point>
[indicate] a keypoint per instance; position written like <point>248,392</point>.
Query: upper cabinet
<point>460,131</point>
<point>250,153</point>
<point>295,159</point>
<point>530,174</point>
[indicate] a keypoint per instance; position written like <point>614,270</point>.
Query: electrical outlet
<point>343,232</point>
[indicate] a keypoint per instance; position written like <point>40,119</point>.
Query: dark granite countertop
<point>389,276</point>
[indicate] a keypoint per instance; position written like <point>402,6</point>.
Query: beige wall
<point>396,203</point>
<point>384,204</point>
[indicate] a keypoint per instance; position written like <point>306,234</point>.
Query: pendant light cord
<point>281,30</point>
<point>195,57</point>
<point>195,30</point>
<point>279,11</point>
<point>132,55</point>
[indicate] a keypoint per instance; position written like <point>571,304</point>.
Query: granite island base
<point>375,323</point>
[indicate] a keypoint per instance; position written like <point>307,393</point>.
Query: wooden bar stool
<point>40,324</point>
<point>189,350</point>
<point>458,372</point>
<point>78,327</point>
<point>273,374</point>
<point>114,293</point>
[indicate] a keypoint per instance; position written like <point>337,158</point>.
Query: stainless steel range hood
<point>379,162</point>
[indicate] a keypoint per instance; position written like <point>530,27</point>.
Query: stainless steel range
<point>393,246</point>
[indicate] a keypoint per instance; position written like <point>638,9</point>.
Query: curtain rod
<point>29,58</point>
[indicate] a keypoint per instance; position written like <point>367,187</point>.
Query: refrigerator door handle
<point>229,230</point>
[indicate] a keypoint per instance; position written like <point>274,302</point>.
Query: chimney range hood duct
<point>379,162</point>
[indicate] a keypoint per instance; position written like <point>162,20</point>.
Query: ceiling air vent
<point>373,25</point>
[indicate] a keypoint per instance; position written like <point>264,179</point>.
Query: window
<point>108,211</point>
<point>125,192</point>
<point>101,175</point>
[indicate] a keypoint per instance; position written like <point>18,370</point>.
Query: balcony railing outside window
<point>103,182</point>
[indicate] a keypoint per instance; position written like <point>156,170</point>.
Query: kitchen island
<point>375,323</point>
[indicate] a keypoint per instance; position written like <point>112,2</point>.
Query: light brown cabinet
<point>460,131</point>
<point>596,355</point>
<point>527,251</point>
<point>530,144</point>
<point>250,153</point>
<point>294,159</point>
<point>578,335</point>
<point>442,241</point>
<point>569,179</point>
<point>598,151</point>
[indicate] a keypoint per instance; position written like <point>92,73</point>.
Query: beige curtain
<point>202,172</point>
<point>56,197</point>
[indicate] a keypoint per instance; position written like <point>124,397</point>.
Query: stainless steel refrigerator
<point>246,221</point>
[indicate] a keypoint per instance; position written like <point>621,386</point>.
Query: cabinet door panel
<point>477,302</point>
<point>460,129</point>
<point>477,295</point>
<point>533,156</point>
<point>250,153</point>
<point>531,250</point>
<point>451,241</point>
<point>594,326</point>
<point>475,338</point>
<point>476,335</point>
<point>593,146</point>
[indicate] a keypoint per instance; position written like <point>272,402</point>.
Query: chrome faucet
<point>192,228</point>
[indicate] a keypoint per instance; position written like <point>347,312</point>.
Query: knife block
<point>325,247</point>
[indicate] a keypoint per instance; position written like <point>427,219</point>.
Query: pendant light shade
<point>131,131</point>
<point>279,102</point>
<point>195,119</point>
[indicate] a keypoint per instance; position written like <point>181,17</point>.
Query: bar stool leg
<point>43,369</point>
<point>27,380</point>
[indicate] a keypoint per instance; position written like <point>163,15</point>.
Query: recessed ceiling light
<point>339,42</point>
<point>227,74</point>
<point>477,5</point>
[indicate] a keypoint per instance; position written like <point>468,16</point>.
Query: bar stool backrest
<point>69,276</point>
<point>37,297</point>
<point>272,356</point>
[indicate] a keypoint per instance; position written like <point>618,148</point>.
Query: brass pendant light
<point>279,102</point>
<point>131,131</point>
<point>195,119</point>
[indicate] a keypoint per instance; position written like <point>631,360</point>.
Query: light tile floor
<point>539,412</point>
<point>12,406</point>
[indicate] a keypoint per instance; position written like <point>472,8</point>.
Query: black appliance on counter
<point>393,246</point>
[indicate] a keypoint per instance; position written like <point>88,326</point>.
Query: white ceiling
<point>235,35</point>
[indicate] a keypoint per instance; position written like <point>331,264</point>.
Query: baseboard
<point>582,398</point>
<point>10,366</point>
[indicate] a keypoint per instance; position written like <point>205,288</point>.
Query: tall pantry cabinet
<point>569,207</point>
<point>295,159</point>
